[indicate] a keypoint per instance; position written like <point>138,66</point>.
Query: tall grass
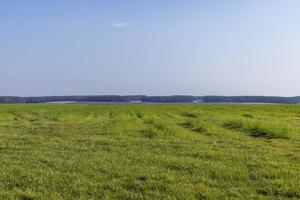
<point>260,129</point>
<point>184,152</point>
<point>158,128</point>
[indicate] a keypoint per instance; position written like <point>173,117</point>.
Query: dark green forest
<point>153,99</point>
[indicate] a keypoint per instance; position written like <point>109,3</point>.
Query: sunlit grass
<point>149,152</point>
<point>257,128</point>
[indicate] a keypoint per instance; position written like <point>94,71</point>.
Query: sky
<point>157,47</point>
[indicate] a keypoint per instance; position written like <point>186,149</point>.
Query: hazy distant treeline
<point>155,99</point>
<point>102,98</point>
<point>251,99</point>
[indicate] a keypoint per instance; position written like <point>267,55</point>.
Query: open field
<point>149,152</point>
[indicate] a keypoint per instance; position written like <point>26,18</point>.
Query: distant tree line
<point>251,99</point>
<point>154,99</point>
<point>101,98</point>
<point>171,99</point>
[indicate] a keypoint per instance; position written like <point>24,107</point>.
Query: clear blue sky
<point>157,47</point>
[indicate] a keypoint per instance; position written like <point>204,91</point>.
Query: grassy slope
<point>149,152</point>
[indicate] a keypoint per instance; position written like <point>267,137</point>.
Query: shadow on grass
<point>259,129</point>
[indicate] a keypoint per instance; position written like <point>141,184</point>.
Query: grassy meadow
<point>193,151</point>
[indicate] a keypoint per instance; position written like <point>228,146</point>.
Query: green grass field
<point>149,152</point>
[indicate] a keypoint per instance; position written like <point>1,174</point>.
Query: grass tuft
<point>259,129</point>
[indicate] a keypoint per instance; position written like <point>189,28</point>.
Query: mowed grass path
<point>149,152</point>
